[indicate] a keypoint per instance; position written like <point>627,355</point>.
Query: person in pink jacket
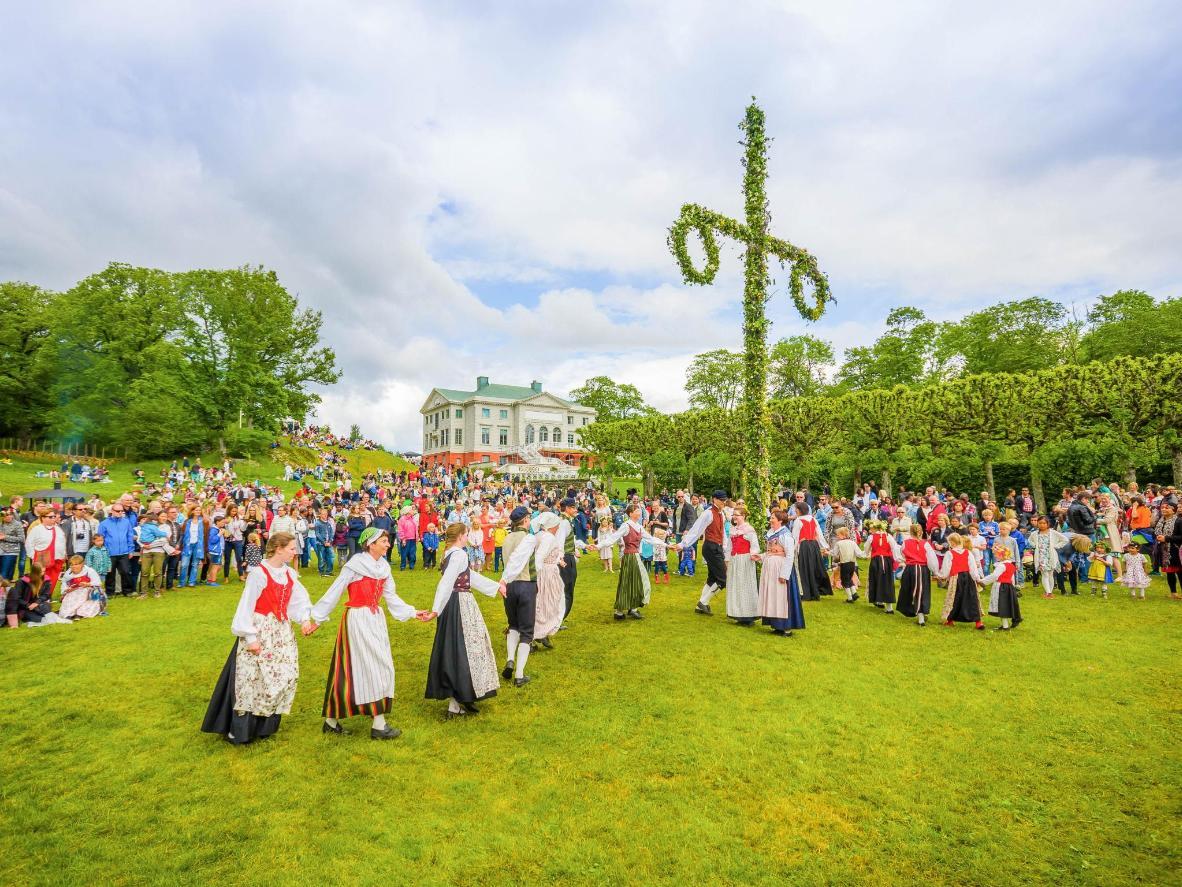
<point>408,537</point>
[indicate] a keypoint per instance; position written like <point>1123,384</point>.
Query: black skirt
<point>915,590</point>
<point>966,605</point>
<point>880,589</point>
<point>448,675</point>
<point>847,570</point>
<point>1007,603</point>
<point>221,718</point>
<point>810,569</point>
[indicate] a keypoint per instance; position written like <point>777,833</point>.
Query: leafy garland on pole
<point>755,462</point>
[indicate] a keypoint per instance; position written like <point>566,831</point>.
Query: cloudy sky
<point>475,188</point>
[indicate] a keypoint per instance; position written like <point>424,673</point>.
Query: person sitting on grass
<point>28,599</point>
<point>81,591</point>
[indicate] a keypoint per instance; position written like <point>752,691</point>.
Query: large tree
<point>903,355</point>
<point>611,400</point>
<point>1130,322</point>
<point>1016,337</point>
<point>797,365</point>
<point>252,350</point>
<point>714,380</point>
<point>26,359</point>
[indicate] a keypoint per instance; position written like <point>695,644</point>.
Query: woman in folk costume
<point>881,549</point>
<point>463,669</point>
<point>742,584</point>
<point>632,588</point>
<point>1003,596</point>
<point>258,682</point>
<point>551,600</point>
<point>961,603</point>
<point>810,568</point>
<point>361,670</point>
<point>779,601</point>
<point>915,585</point>
<point>45,544</point>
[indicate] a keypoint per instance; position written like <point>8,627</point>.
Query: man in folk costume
<point>710,525</point>
<point>571,547</point>
<point>45,544</point>
<point>361,671</point>
<point>521,594</point>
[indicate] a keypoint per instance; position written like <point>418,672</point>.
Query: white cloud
<point>395,163</point>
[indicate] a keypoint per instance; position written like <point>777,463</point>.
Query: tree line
<point>157,362</point>
<point>1022,394</point>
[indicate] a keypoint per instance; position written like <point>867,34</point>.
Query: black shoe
<point>546,643</point>
<point>521,681</point>
<point>384,733</point>
<point>634,614</point>
<point>470,707</point>
<point>703,609</point>
<point>617,615</point>
<point>778,632</point>
<point>880,606</point>
<point>325,727</point>
<point>507,671</point>
<point>856,595</point>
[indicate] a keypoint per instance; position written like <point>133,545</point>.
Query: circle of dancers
<point>258,683</point>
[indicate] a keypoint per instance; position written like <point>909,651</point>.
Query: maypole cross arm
<point>802,263</point>
<point>753,232</point>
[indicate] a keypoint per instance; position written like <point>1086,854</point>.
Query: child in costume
<point>881,549</point>
<point>1100,569</point>
<point>846,552</point>
<point>1003,596</point>
<point>961,603</point>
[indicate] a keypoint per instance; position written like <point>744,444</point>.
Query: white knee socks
<point>511,643</point>
<point>708,591</point>
<point>454,707</point>
<point>379,722</point>
<point>522,655</point>
<point>332,722</point>
<point>921,618</point>
<point>849,594</point>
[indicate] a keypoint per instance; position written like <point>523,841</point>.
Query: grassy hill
<point>21,475</point>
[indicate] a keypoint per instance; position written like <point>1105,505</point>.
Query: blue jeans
<point>323,559</point>
<point>238,549</point>
<point>407,553</point>
<point>306,554</point>
<point>191,556</point>
<point>8,566</point>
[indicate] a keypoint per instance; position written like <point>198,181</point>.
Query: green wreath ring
<point>695,218</point>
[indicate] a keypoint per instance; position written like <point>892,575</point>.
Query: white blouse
<point>457,562</point>
<point>398,608</point>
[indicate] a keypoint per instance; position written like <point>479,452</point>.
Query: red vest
<point>880,545</point>
<point>1007,573</point>
<point>365,592</point>
<point>913,553</point>
<point>960,563</point>
<point>808,528</point>
<point>714,528</point>
<point>740,545</point>
<point>632,541</point>
<point>275,597</point>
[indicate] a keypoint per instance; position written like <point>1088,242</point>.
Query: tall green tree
<point>1131,322</point>
<point>1016,337</point>
<point>27,359</point>
<point>251,349</point>
<point>714,380</point>
<point>797,366</point>
<point>905,354</point>
<point>611,400</point>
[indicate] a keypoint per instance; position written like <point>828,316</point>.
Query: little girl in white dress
<point>1135,578</point>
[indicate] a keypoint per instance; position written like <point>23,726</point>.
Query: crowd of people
<point>523,542</point>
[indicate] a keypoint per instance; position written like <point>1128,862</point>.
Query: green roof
<point>499,392</point>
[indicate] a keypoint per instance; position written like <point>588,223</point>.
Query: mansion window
<point>459,437</point>
<point>485,412</point>
<point>585,420</point>
<point>503,436</point>
<point>504,414</point>
<point>570,420</point>
<point>529,434</point>
<point>544,434</point>
<point>570,439</point>
<point>443,437</point>
<point>484,434</point>
<point>459,413</point>
<point>557,435</point>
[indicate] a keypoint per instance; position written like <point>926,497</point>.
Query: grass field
<point>20,476</point>
<point>679,749</point>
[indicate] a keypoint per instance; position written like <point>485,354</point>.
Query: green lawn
<point>20,476</point>
<point>679,750</point>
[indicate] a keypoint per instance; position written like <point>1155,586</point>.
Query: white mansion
<point>501,425</point>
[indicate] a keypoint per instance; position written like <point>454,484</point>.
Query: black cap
<point>568,502</point>
<point>518,513</point>
<point>720,494</point>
